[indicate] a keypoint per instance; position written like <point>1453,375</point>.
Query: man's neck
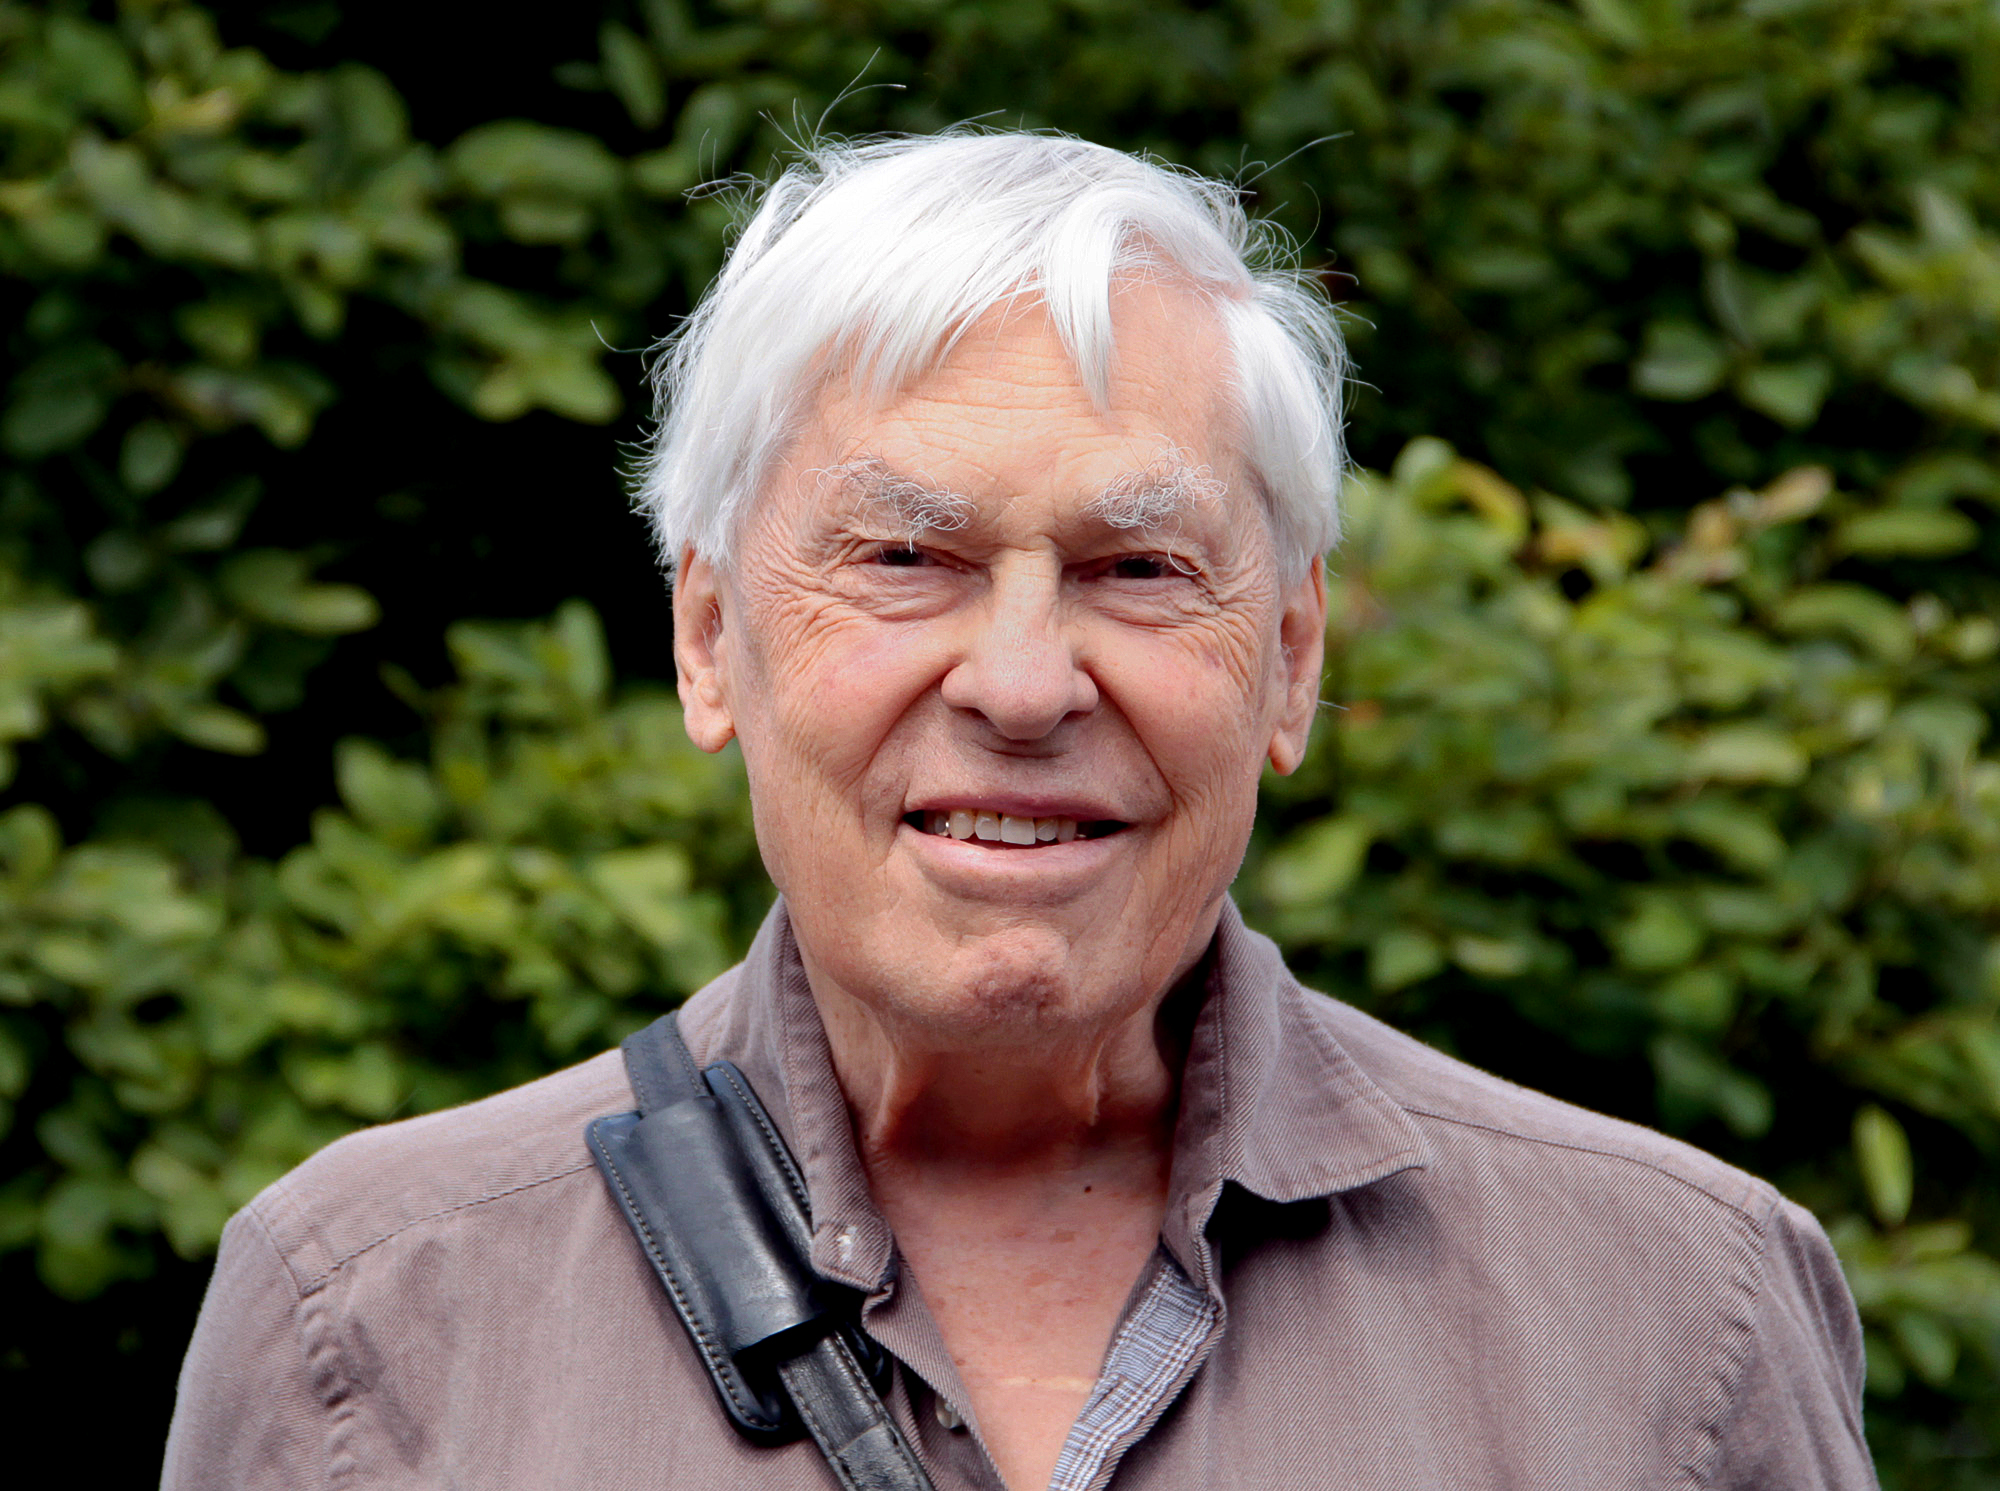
<point>1026,1189</point>
<point>1022,1109</point>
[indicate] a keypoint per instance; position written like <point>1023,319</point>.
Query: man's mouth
<point>1006,831</point>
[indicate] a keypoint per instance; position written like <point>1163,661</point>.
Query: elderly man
<point>997,471</point>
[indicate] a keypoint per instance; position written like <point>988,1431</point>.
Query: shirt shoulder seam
<point>319,1281</point>
<point>302,1307</point>
<point>1608,1153</point>
<point>253,1215</point>
<point>1730,1371</point>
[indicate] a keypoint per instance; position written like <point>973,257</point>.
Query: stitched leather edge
<point>719,1366</point>
<point>772,1139</point>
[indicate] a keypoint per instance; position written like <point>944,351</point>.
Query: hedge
<point>1658,771</point>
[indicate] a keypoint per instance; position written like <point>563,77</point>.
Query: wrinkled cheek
<point>1219,832</point>
<point>835,648</point>
<point>1221,754</point>
<point>1219,812</point>
<point>817,747</point>
<point>807,830</point>
<point>826,694</point>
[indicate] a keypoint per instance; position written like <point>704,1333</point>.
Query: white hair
<point>874,257</point>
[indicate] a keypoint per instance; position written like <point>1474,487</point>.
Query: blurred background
<point>342,773</point>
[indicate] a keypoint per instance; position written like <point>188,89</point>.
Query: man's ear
<point>1302,634</point>
<point>700,654</point>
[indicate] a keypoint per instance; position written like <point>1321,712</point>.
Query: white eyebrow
<point>914,506</point>
<point>1158,495</point>
<point>1151,498</point>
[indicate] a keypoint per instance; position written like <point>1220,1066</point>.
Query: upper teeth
<point>1001,828</point>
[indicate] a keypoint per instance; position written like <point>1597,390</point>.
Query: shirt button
<point>947,1415</point>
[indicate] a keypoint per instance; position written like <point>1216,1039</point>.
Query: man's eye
<point>900,556</point>
<point>1141,567</point>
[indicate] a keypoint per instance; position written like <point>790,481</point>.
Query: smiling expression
<point>1005,666</point>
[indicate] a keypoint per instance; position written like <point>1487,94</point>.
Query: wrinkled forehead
<point>1003,408</point>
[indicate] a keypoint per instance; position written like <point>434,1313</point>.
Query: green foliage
<point>526,896</point>
<point>185,230</point>
<point>1682,805</point>
<point>1623,245</point>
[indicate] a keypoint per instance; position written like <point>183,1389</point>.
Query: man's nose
<point>1019,669</point>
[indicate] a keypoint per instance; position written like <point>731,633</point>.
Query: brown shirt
<point>1381,1269</point>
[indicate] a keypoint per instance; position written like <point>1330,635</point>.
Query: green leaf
<point>151,455</point>
<point>1866,616</point>
<point>79,1255</point>
<point>366,1081</point>
<point>30,843</point>
<point>534,219</point>
<point>372,113</point>
<point>1885,1375</point>
<point>1680,361</point>
<point>633,75</point>
<point>1927,1344</point>
<point>515,157</point>
<point>1316,866</point>
<point>1701,1000</point>
<point>89,64</point>
<point>59,399</point>
<point>1733,829</point>
<point>1908,532</point>
<point>1617,20</point>
<point>214,524</point>
<point>649,888</point>
<point>1402,956</point>
<point>571,383</point>
<point>1789,392</point>
<point>193,1208</point>
<point>1882,1151</point>
<point>1492,957</point>
<point>1940,477</point>
<point>1656,934</point>
<point>119,561</point>
<point>281,402</point>
<point>581,661</point>
<point>1746,753</point>
<point>215,727</point>
<point>67,239</point>
<point>223,331</point>
<point>668,172</point>
<point>272,586</point>
<point>395,798</point>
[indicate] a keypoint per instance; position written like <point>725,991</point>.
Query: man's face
<point>948,615</point>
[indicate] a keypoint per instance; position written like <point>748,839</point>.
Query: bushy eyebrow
<point>1152,498</point>
<point>912,506</point>
<point>1158,495</point>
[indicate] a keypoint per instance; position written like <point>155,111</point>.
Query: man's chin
<point>1021,991</point>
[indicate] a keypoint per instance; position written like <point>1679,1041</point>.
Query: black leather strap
<point>848,1420</point>
<point>710,1191</point>
<point>659,1065</point>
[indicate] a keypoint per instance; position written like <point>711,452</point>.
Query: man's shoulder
<point>1467,1111</point>
<point>378,1183</point>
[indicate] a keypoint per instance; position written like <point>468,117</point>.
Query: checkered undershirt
<point>1147,1363</point>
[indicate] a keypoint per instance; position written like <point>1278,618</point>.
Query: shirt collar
<point>1270,1101</point>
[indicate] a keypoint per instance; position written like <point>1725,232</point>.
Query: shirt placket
<point>1154,1354</point>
